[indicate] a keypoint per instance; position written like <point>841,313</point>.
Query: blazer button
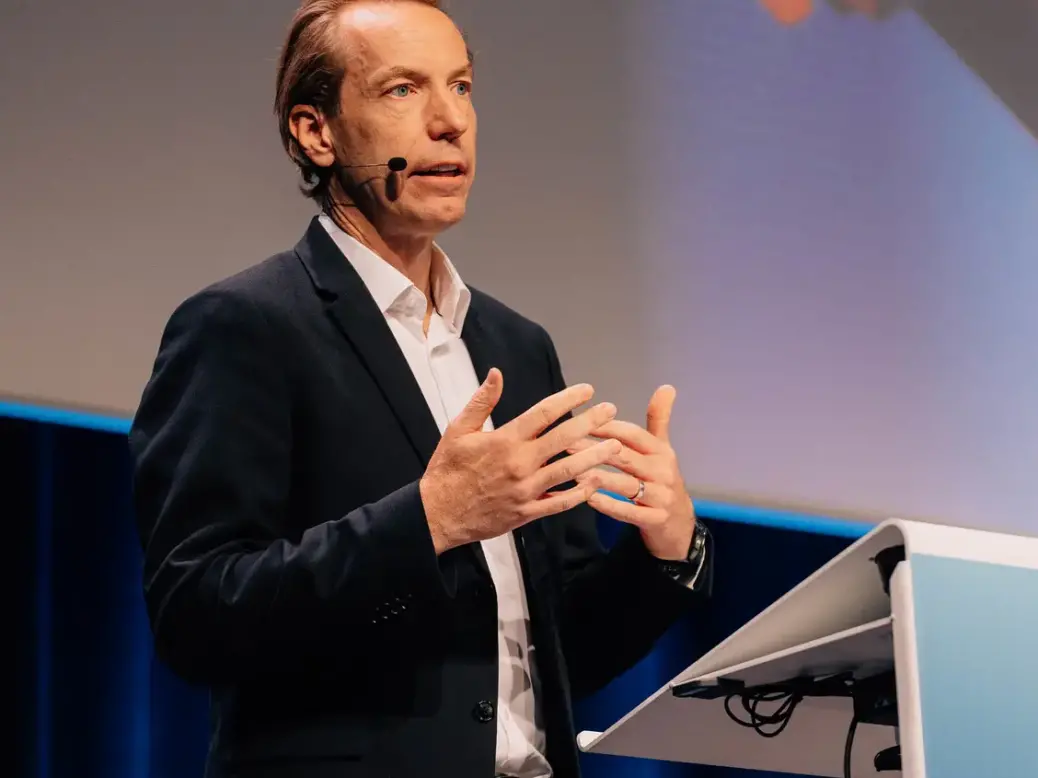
<point>483,712</point>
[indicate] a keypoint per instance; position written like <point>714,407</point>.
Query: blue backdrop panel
<point>91,701</point>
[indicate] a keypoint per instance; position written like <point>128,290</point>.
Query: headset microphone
<point>395,165</point>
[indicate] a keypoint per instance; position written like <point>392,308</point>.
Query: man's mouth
<point>445,170</point>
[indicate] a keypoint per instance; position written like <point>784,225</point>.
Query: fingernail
<point>607,408</point>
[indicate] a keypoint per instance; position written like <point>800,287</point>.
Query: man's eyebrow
<point>462,71</point>
<point>403,71</point>
<point>398,71</point>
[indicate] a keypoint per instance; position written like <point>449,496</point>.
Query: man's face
<point>407,93</point>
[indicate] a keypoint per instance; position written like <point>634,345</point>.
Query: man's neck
<point>411,255</point>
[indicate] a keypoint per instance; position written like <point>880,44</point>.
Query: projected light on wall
<point>848,240</point>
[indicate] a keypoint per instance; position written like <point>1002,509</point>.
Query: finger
<point>572,467</point>
<point>631,435</point>
<point>624,485</point>
<point>640,515</point>
<point>478,409</point>
<point>572,430</point>
<point>537,419</point>
<point>661,406</point>
<point>559,502</point>
<point>628,460</point>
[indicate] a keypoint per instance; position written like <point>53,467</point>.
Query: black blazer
<point>288,563</point>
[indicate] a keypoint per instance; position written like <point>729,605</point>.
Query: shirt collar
<point>387,285</point>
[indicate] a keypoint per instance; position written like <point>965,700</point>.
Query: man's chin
<point>439,217</point>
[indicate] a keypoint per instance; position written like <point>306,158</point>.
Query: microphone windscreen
<point>397,164</point>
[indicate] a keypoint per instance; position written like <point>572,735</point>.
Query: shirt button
<point>483,712</point>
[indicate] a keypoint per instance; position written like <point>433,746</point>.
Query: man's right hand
<point>479,485</point>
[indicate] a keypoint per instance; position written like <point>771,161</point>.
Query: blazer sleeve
<point>233,591</point>
<point>616,603</point>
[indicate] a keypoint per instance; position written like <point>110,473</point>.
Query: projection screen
<point>819,220</point>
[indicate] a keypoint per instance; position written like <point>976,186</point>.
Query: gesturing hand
<point>649,475</point>
<point>479,485</point>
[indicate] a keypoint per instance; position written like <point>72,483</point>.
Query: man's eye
<point>401,91</point>
<point>463,88</point>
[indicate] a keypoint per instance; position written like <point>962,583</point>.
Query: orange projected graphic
<point>788,11</point>
<point>795,11</point>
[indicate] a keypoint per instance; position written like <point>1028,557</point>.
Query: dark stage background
<point>90,701</point>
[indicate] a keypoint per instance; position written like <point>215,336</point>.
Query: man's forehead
<point>380,33</point>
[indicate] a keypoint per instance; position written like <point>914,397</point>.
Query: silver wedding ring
<point>641,492</point>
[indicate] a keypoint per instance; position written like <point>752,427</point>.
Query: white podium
<point>943,668</point>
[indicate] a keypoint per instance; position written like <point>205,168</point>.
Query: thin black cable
<point>848,747</point>
<point>757,719</point>
<point>787,696</point>
<point>871,692</point>
<point>779,717</point>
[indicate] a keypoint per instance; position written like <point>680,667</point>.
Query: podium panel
<point>917,646</point>
<point>976,636</point>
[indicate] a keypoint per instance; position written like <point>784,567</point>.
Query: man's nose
<point>449,115</point>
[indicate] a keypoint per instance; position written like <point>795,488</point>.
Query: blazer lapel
<point>354,311</point>
<point>487,348</point>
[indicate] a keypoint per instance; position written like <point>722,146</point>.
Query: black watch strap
<point>693,571</point>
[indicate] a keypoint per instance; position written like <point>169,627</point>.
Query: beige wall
<point>147,164</point>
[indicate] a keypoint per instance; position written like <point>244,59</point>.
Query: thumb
<point>658,416</point>
<point>475,414</point>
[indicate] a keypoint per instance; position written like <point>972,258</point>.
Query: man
<point>367,509</point>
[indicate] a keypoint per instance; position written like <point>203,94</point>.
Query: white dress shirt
<point>443,369</point>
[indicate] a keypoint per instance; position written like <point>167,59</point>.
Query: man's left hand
<point>650,476</point>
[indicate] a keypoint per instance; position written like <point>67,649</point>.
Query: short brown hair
<point>310,72</point>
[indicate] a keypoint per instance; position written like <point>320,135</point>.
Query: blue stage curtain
<point>92,702</point>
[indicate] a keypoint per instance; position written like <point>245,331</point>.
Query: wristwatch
<point>689,572</point>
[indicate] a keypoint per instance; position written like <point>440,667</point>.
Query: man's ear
<point>310,129</point>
